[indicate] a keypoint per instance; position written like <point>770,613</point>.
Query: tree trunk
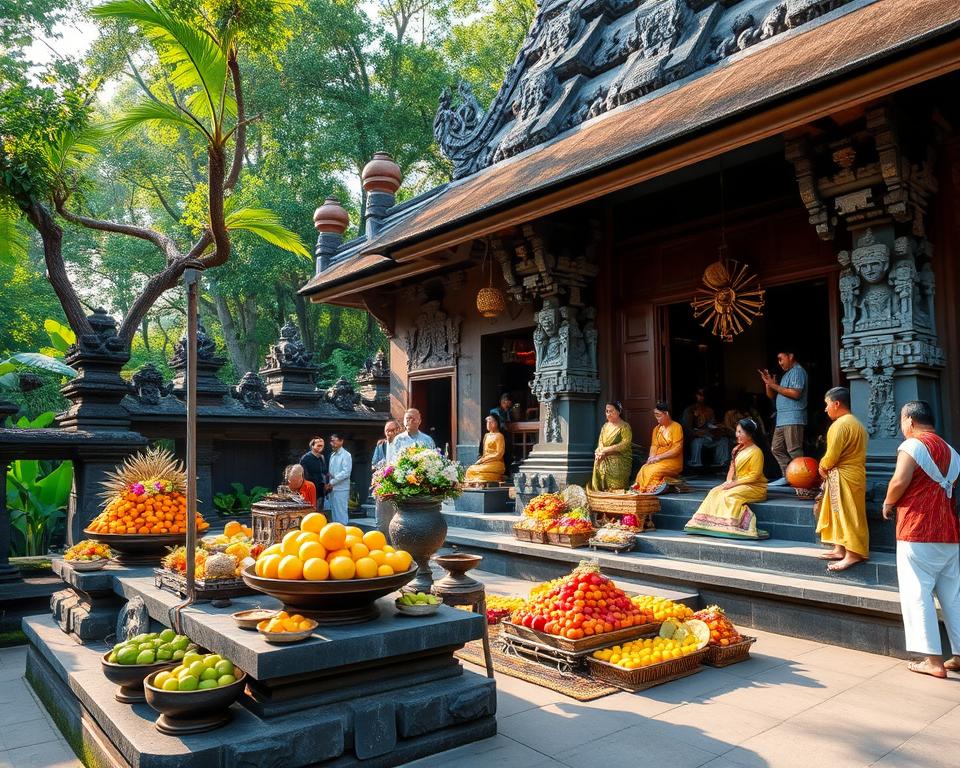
<point>229,327</point>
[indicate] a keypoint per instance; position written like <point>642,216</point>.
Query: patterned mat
<point>580,687</point>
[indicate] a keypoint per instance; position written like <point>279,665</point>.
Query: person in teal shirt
<point>790,398</point>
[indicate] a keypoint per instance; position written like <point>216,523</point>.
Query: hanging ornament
<point>490,301</point>
<point>730,300</point>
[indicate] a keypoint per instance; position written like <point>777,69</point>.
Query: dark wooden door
<point>638,367</point>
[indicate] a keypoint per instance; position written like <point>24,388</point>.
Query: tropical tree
<point>42,164</point>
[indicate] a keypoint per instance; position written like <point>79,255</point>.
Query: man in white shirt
<point>338,487</point>
<point>410,436</point>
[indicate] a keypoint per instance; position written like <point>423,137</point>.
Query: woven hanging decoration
<point>730,300</point>
<point>490,301</point>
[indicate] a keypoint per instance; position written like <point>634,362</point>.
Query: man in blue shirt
<point>410,436</point>
<point>338,485</point>
<point>790,397</point>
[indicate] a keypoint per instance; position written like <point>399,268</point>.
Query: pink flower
<point>388,470</point>
<point>137,488</point>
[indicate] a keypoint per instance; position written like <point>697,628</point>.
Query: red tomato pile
<point>583,604</point>
<point>722,632</point>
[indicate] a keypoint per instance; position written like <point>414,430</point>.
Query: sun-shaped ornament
<point>730,301</point>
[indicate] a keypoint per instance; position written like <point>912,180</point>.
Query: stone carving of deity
<point>342,395</point>
<point>147,385</point>
<point>590,336</point>
<point>206,349</point>
<point>849,291</point>
<point>871,260</point>
<point>903,276</point>
<point>882,414</point>
<point>289,351</point>
<point>251,391</point>
<point>928,286</point>
<point>434,341</point>
<point>546,336</point>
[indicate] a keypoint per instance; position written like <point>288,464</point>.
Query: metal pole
<point>191,276</point>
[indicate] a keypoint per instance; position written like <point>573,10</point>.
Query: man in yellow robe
<point>843,507</point>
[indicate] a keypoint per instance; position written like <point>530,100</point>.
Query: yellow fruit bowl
<point>340,601</point>
<point>286,637</point>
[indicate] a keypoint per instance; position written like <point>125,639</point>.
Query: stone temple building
<point>662,195</point>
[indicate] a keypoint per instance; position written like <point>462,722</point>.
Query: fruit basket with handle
<point>725,655</point>
<point>614,504</point>
<point>584,644</point>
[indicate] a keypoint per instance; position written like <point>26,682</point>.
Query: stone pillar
<point>289,372</point>
<point>381,178</point>
<point>373,383</point>
<point>210,390</point>
<point>95,393</point>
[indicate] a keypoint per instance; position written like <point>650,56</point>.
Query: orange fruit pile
<point>318,551</point>
<point>284,622</point>
<point>145,514</point>
<point>234,528</point>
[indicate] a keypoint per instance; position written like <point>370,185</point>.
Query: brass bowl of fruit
<point>85,566</point>
<point>284,628</point>
<point>130,662</point>
<point>192,698</point>
<point>418,604</point>
<point>250,618</point>
<point>138,548</point>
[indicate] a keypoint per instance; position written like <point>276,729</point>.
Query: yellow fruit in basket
<point>290,545</point>
<point>388,548</point>
<point>384,570</point>
<point>350,541</point>
<point>271,563</point>
<point>342,567</point>
<point>352,530</point>
<point>403,561</point>
<point>378,555</point>
<point>311,549</point>
<point>290,568</point>
<point>273,549</point>
<point>232,528</point>
<point>390,558</point>
<point>333,536</point>
<point>374,540</point>
<point>366,568</point>
<point>316,569</point>
<point>313,522</point>
<point>358,551</point>
<point>306,536</point>
<point>338,553</point>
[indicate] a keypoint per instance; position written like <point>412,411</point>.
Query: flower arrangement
<point>417,473</point>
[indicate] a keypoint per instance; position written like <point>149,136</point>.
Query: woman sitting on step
<point>726,512</point>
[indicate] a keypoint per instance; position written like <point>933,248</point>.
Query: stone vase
<point>418,528</point>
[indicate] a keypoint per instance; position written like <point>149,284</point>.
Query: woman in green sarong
<point>614,455</point>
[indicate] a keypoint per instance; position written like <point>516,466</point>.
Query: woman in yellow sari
<point>614,455</point>
<point>665,461</point>
<point>726,512</point>
<point>490,467</point>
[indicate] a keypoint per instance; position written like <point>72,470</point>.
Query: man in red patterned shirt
<point>921,493</point>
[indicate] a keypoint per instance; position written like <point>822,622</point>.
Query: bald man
<point>297,483</point>
<point>411,435</point>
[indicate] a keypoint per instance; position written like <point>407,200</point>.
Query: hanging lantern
<point>730,300</point>
<point>490,301</point>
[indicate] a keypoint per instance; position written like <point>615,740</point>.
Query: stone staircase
<point>779,584</point>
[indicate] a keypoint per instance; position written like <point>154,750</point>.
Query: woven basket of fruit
<point>727,645</point>
<point>615,537</point>
<point>146,509</point>
<point>573,540</point>
<point>522,533</point>
<point>641,678</point>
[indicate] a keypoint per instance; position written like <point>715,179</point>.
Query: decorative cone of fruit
<point>147,496</point>
<point>585,603</point>
<point>318,551</point>
<point>722,631</point>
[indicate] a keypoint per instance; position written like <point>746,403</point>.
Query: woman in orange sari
<point>665,461</point>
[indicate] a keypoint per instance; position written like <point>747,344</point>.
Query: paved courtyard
<point>795,703</point>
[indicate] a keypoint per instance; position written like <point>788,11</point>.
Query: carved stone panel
<point>434,339</point>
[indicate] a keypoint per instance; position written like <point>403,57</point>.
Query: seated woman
<point>725,511</point>
<point>612,459</point>
<point>490,466</point>
<point>665,461</point>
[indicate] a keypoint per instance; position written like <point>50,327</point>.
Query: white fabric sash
<point>917,451</point>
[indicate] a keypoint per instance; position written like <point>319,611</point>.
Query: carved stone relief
<point>434,340</point>
<point>342,395</point>
<point>147,385</point>
<point>289,351</point>
<point>251,392</point>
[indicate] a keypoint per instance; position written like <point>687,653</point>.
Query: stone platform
<point>492,500</point>
<point>379,693</point>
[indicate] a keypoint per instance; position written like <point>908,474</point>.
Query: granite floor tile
<point>556,728</point>
<point>849,661</point>
<point>496,751</point>
<point>714,724</point>
<point>696,687</point>
<point>927,749</point>
<point>645,744</point>
<point>808,745</point>
<point>637,703</point>
<point>51,755</point>
<point>28,734</point>
<point>918,708</point>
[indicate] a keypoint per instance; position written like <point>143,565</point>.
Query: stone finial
<point>342,395</point>
<point>147,385</point>
<point>331,217</point>
<point>381,174</point>
<point>251,391</point>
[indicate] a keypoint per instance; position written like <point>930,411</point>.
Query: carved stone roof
<point>598,82</point>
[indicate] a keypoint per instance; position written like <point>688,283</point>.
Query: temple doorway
<point>507,365</point>
<point>433,395</point>
<point>800,314</point>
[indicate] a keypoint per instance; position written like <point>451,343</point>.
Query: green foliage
<point>238,502</point>
<point>37,498</point>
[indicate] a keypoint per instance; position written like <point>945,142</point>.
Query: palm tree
<point>200,59</point>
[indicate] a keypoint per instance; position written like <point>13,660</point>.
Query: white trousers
<point>925,569</point>
<point>338,506</point>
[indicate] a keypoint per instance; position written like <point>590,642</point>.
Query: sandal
<point>952,664</point>
<point>922,668</point>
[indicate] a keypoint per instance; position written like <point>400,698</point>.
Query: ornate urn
<point>419,528</point>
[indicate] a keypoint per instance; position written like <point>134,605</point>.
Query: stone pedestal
<point>210,390</point>
<point>376,694</point>
<point>293,387</point>
<point>485,501</point>
<point>373,383</point>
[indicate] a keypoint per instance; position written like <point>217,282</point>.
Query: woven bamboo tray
<point>214,589</point>
<point>572,540</point>
<point>724,656</point>
<point>525,534</point>
<point>584,644</point>
<point>609,545</point>
<point>622,503</point>
<point>646,677</point>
